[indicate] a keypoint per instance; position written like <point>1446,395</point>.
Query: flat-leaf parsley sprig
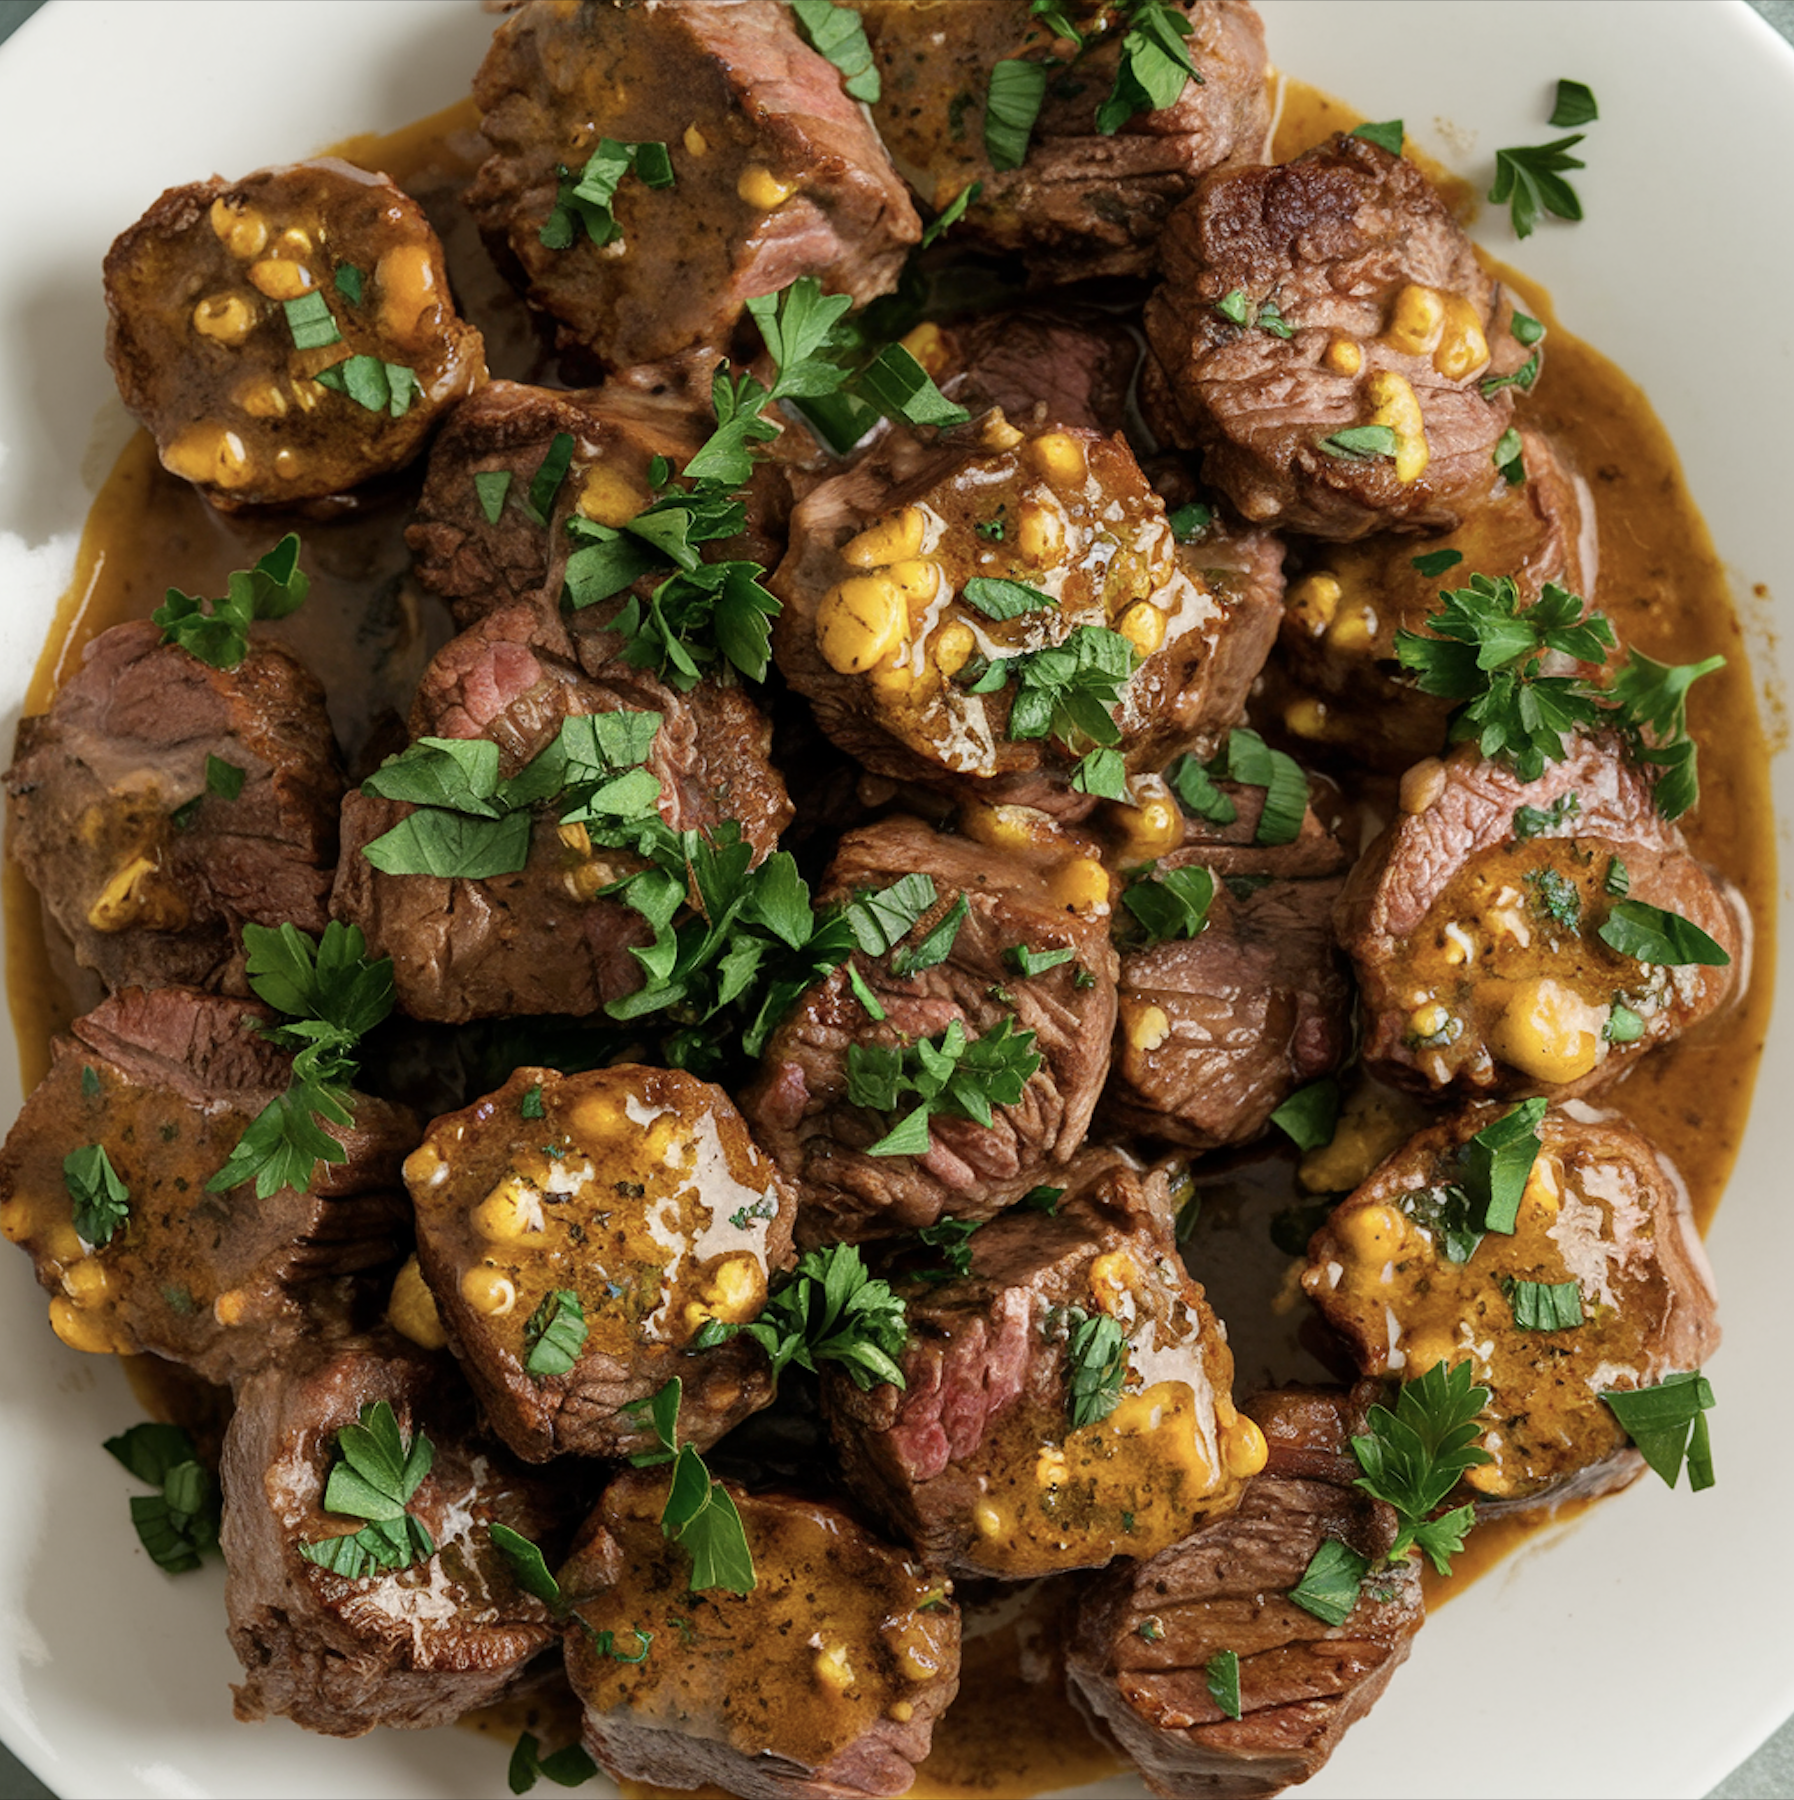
<point>1488,652</point>
<point>953,1076</point>
<point>217,631</point>
<point>377,1473</point>
<point>698,1515</point>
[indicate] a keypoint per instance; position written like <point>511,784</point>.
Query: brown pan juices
<point>367,633</point>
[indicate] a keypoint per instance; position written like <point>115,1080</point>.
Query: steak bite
<point>1402,1274</point>
<point>1084,202</point>
<point>1145,1633</point>
<point>412,1646</point>
<point>1337,682</point>
<point>1215,1032</point>
<point>824,1682</point>
<point>489,457</point>
<point>1066,1401</point>
<point>289,336</point>
<point>1391,323</point>
<point>775,171</point>
<point>983,624</point>
<point>165,1082</point>
<point>1476,924</point>
<point>546,938</point>
<point>122,820</point>
<point>1067,366</point>
<point>825,1097</point>
<point>578,1231</point>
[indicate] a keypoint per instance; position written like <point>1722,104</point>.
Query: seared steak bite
<point>503,438</point>
<point>816,1106</point>
<point>1084,202</point>
<point>411,1646</point>
<point>1146,1632</point>
<point>1392,323</point>
<point>165,1082</point>
<point>1400,1272</point>
<point>1066,367</point>
<point>1066,1401</point>
<point>1336,681</point>
<point>1215,1032</point>
<point>822,1683</point>
<point>545,938</point>
<point>631,1200</point>
<point>120,819</point>
<point>1476,929</point>
<point>288,336</point>
<point>776,172</point>
<point>981,623</point>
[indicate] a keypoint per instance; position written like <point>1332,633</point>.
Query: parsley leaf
<point>1310,1115</point>
<point>217,631</point>
<point>1068,691</point>
<point>936,947</point>
<point>1249,760</point>
<point>1497,1162</point>
<point>1575,105</point>
<point>1172,905</point>
<point>951,213</point>
<point>1361,442</point>
<point>1195,788</point>
<point>1096,1364</point>
<point>180,1524</point>
<point>374,1478</point>
<point>698,1515</point>
<point>1531,821</point>
<point>551,471</point>
<point>1413,1457</point>
<point>223,778</point>
<point>348,282</point>
<point>1435,562</point>
<point>1190,520</point>
<point>1651,699</point>
<point>528,1566</point>
<point>585,199</point>
<point>1544,1305</point>
<point>836,32</point>
<point>490,487</point>
<point>1221,1675</point>
<point>952,1237</point>
<point>1329,1585</point>
<point>831,1310</point>
<point>1002,600</point>
<point>1508,457</point>
<point>1529,179</point>
<point>1668,1422</point>
<point>1028,963</point>
<point>554,1334</point>
<point>310,322</point>
<point>952,1076</point>
<point>102,1202</point>
<point>1388,135</point>
<point>1155,64</point>
<point>716,613</point>
<point>569,1767</point>
<point>1011,105</point>
<point>1650,935</point>
<point>375,386</point>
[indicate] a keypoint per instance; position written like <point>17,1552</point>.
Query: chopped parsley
<point>374,385</point>
<point>1189,521</point>
<point>1002,600</point>
<point>1243,312</point>
<point>1043,1199</point>
<point>569,1767</point>
<point>101,1201</point>
<point>953,1238</point>
<point>1497,1163</point>
<point>1386,135</point>
<point>1361,442</point>
<point>1330,1584</point>
<point>936,947</point>
<point>551,471</point>
<point>1028,963</point>
<point>1012,103</point>
<point>1067,691</point>
<point>1195,787</point>
<point>179,1524</point>
<point>490,487</point>
<point>1310,1115</point>
<point>348,281</point>
<point>1544,1305</point>
<point>223,779</point>
<point>1522,378</point>
<point>1171,905</point>
<point>584,200</point>
<point>1434,563</point>
<point>1155,64</point>
<point>1555,898</point>
<point>1531,821</point>
<point>310,322</point>
<point>836,32</point>
<point>1650,935</point>
<point>699,1514</point>
<point>1096,1364</point>
<point>952,213</point>
<point>217,631</point>
<point>374,1479</point>
<point>1669,1422</point>
<point>1102,772</point>
<point>1252,763</point>
<point>952,1076</point>
<point>530,1106</point>
<point>1221,1675</point>
<point>1575,105</point>
<point>554,1334</point>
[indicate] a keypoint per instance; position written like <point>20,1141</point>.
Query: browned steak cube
<point>415,1645</point>
<point>1401,1273</point>
<point>1387,321</point>
<point>122,819</point>
<point>1476,928</point>
<point>802,1106</point>
<point>633,1201</point>
<point>1146,1633</point>
<point>1067,1401</point>
<point>164,1082</point>
<point>545,938</point>
<point>775,171</point>
<point>918,609</point>
<point>288,336</point>
<point>823,1683</point>
<point>1083,203</point>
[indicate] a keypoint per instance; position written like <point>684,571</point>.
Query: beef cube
<point>1475,929</point>
<point>1336,682</point>
<point>411,1646</point>
<point>1066,1402</point>
<point>119,821</point>
<point>802,1106</point>
<point>1402,1276</point>
<point>1084,203</point>
<point>1391,323</point>
<point>887,628</point>
<point>631,1199</point>
<point>230,305</point>
<point>822,1683</point>
<point>546,939</point>
<point>165,1082</point>
<point>776,172</point>
<point>1065,367</point>
<point>506,432</point>
<point>1146,1632</point>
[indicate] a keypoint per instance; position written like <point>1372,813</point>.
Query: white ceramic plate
<point>1646,1650</point>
